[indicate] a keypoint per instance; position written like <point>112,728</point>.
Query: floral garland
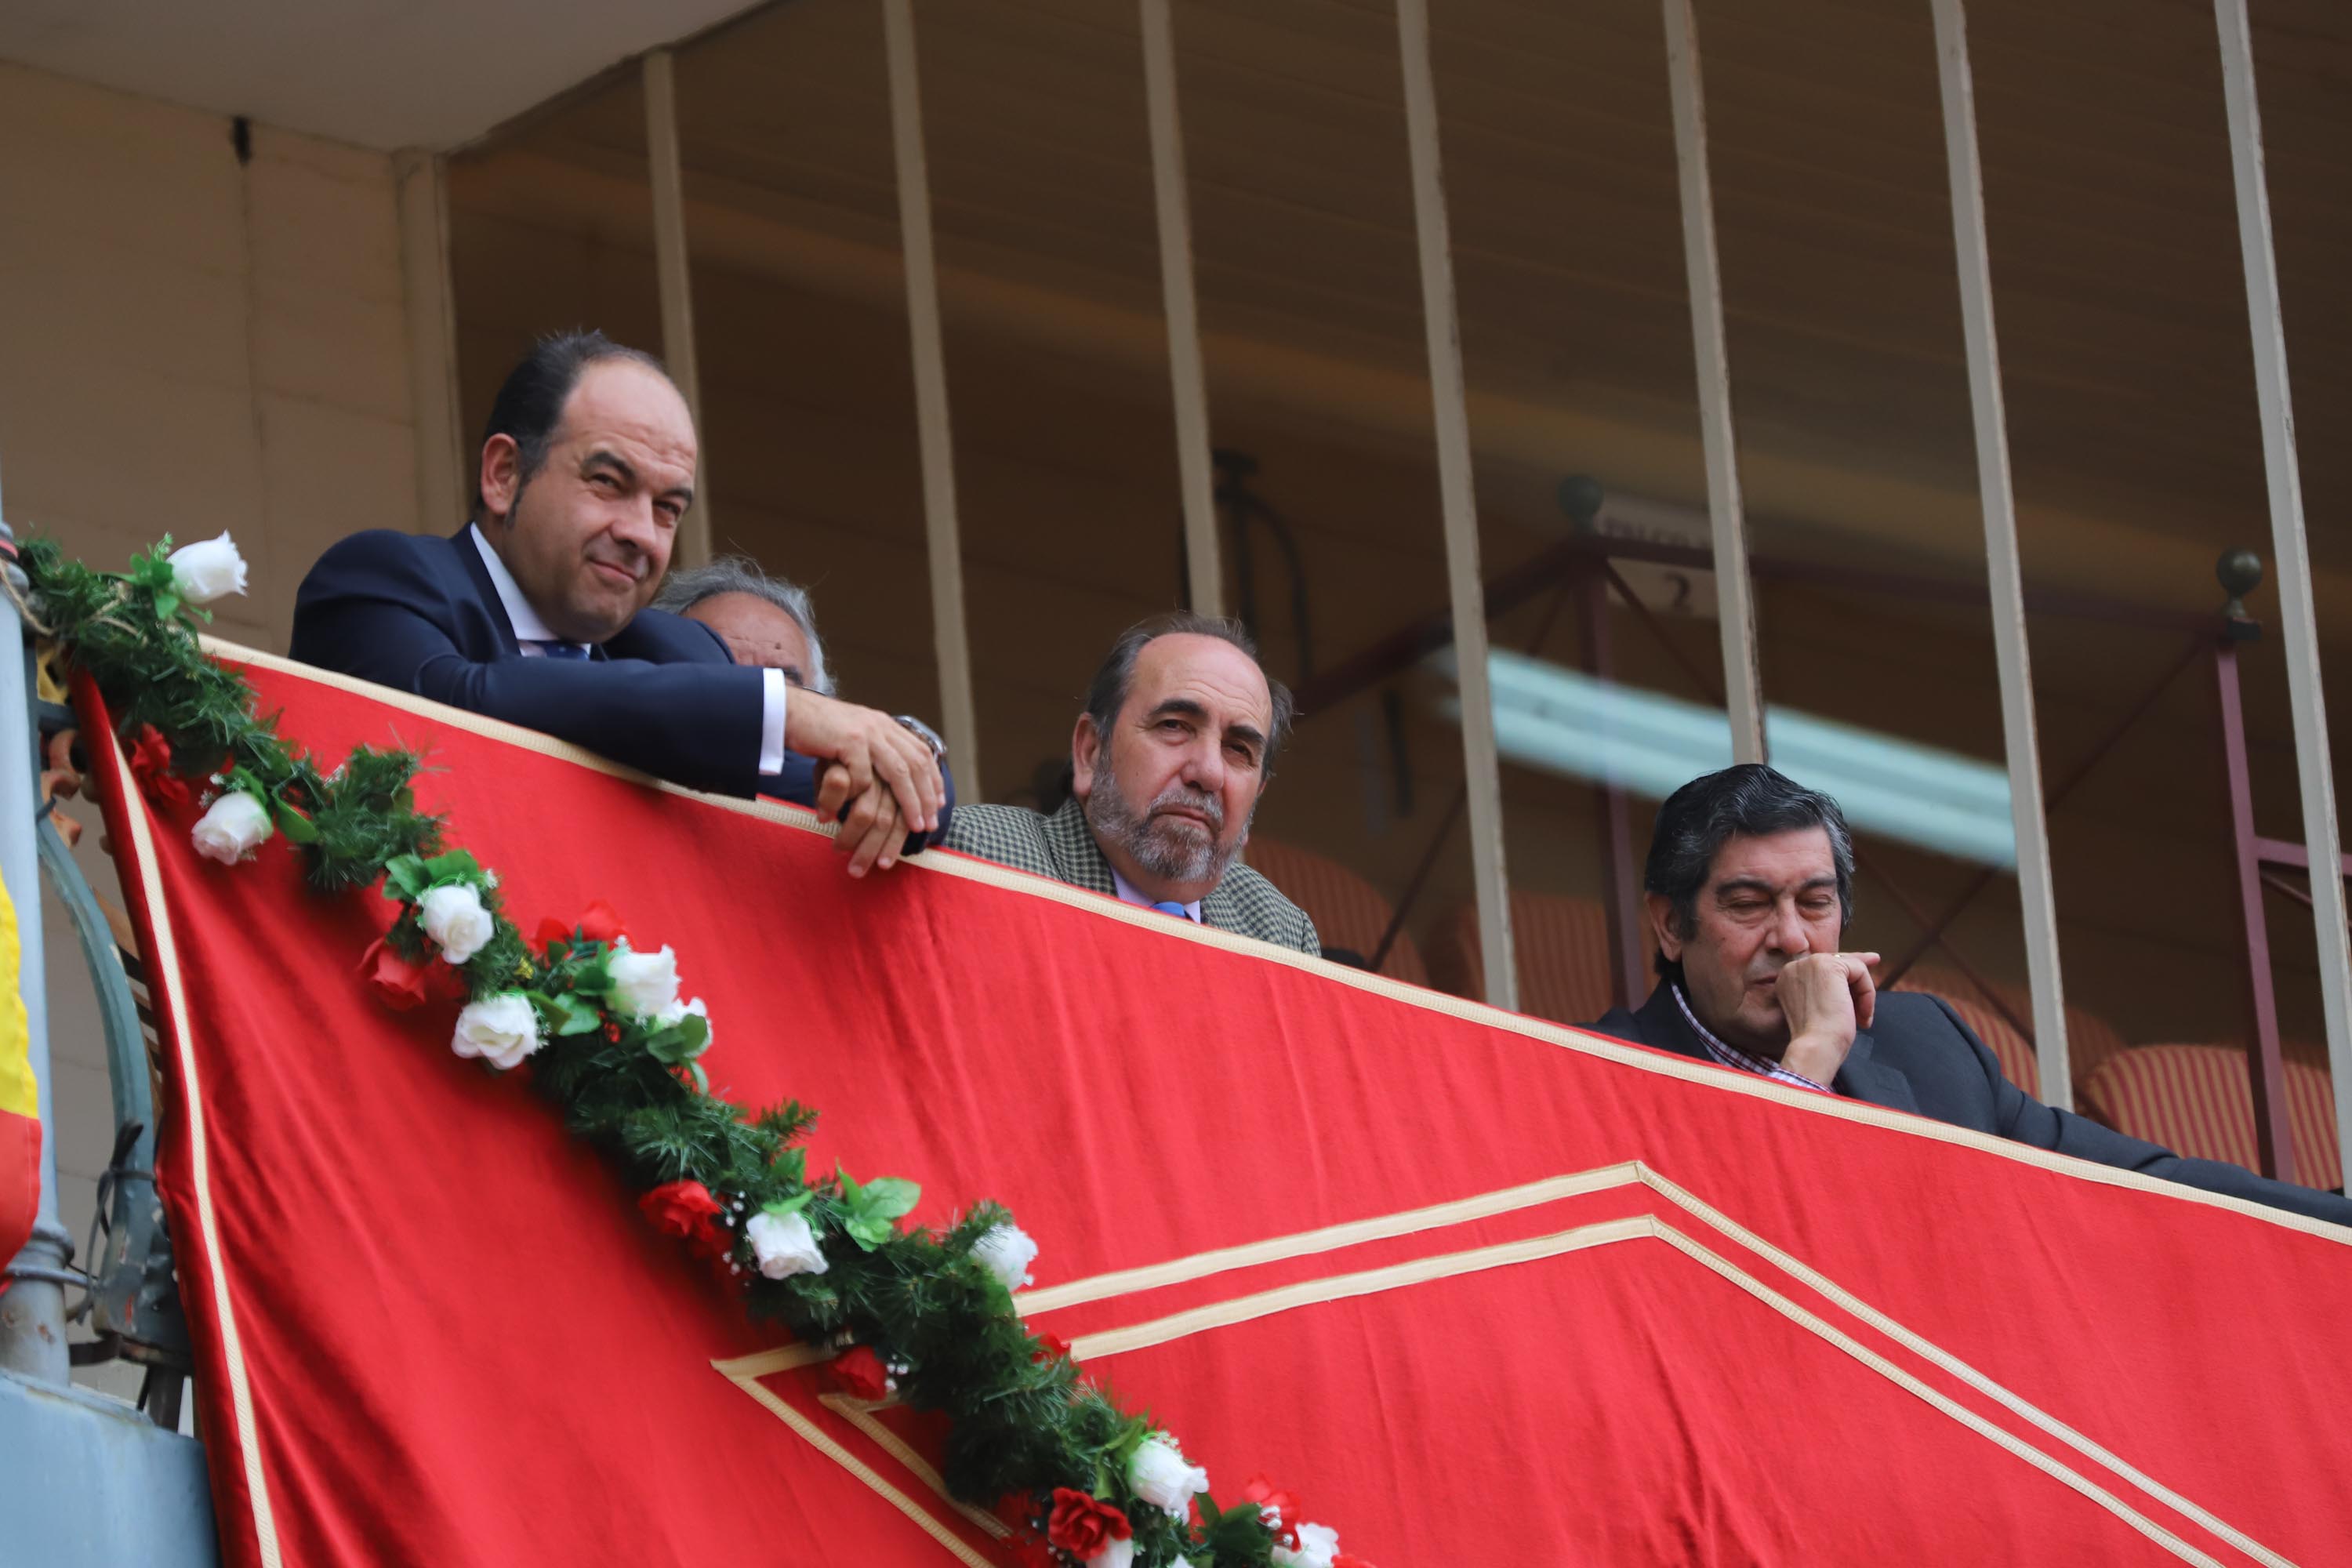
<point>926,1317</point>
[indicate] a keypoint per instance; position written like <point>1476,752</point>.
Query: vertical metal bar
<point>32,1311</point>
<point>2035,894</point>
<point>676,282</point>
<point>2298,628</point>
<point>1621,891</point>
<point>1204,564</point>
<point>2275,1140</point>
<point>1481,766</point>
<point>1735,606</point>
<point>950,641</point>
<point>445,482</point>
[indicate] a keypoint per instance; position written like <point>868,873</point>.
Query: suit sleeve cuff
<point>772,688</point>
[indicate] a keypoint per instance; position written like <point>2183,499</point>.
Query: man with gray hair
<point>768,623</point>
<point>764,621</point>
<point>1750,888</point>
<point>1167,761</point>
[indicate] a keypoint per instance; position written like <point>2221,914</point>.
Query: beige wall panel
<point>333,348</point>
<point>324,213</point>
<point>100,165</point>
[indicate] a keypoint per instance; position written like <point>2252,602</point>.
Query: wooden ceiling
<point>2119,296</point>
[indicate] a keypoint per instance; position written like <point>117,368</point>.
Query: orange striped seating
<point>1561,945</point>
<point>2090,1039</point>
<point>2195,1099</point>
<point>1347,911</point>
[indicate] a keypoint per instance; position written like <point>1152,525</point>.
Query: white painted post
<point>1481,768</point>
<point>445,479</point>
<point>1203,561</point>
<point>2035,892</point>
<point>953,642</point>
<point>676,282</point>
<point>1743,684</point>
<point>2298,621</point>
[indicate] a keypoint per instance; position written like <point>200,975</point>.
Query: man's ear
<point>1086,749</point>
<point>1659,909</point>
<point>501,477</point>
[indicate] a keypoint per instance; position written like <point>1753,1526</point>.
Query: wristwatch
<point>931,736</point>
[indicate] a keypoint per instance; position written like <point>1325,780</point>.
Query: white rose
<point>1158,1474</point>
<point>784,1245</point>
<point>678,1010</point>
<point>643,983</point>
<point>231,829</point>
<point>453,916</point>
<point>1317,1544</point>
<point>1007,1252</point>
<point>1113,1554</point>
<point>207,570</point>
<point>501,1031</point>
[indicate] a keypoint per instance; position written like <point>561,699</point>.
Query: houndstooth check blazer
<point>1062,847</point>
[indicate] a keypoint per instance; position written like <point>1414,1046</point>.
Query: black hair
<point>1746,800</point>
<point>529,405</point>
<point>1107,693</point>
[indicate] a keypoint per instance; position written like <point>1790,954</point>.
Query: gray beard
<point>1172,852</point>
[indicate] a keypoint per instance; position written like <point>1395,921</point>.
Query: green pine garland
<point>1023,1422</point>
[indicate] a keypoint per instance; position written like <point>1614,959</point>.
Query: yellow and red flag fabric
<point>1473,1287</point>
<point>20,1098</point>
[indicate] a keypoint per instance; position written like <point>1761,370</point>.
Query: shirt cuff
<point>772,687</point>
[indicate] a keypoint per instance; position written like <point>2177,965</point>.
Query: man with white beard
<point>1177,743</point>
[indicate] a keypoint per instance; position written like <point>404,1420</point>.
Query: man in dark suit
<point>535,612</point>
<point>1750,885</point>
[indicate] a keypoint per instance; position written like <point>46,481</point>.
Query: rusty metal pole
<point>2266,1073</point>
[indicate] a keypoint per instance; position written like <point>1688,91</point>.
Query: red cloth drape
<point>1777,1329</point>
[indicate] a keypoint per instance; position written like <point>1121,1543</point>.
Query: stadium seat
<point>2195,1099</point>
<point>1562,948</point>
<point>1347,911</point>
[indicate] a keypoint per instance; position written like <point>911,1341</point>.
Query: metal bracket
<point>132,1294</point>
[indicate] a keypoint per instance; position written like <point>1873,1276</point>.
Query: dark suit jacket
<point>664,696</point>
<point>1918,1056</point>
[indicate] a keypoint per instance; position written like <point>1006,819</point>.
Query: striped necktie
<point>1179,910</point>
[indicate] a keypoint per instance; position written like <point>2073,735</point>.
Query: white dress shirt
<point>1130,893</point>
<point>532,633</point>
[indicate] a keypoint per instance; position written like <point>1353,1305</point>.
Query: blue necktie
<point>1179,910</point>
<point>554,649</point>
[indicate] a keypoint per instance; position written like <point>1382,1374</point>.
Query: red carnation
<point>150,764</point>
<point>401,984</point>
<point>1261,1490</point>
<point>1050,1347</point>
<point>1083,1525</point>
<point>686,1208</point>
<point>861,1373</point>
<point>599,923</point>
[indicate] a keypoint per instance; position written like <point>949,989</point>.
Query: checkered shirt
<point>1733,1056</point>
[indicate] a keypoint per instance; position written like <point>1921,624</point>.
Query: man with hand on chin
<point>1749,886</point>
<point>535,612</point>
<point>1168,761</point>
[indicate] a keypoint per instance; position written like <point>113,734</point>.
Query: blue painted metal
<point>134,1301</point>
<point>87,1482</point>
